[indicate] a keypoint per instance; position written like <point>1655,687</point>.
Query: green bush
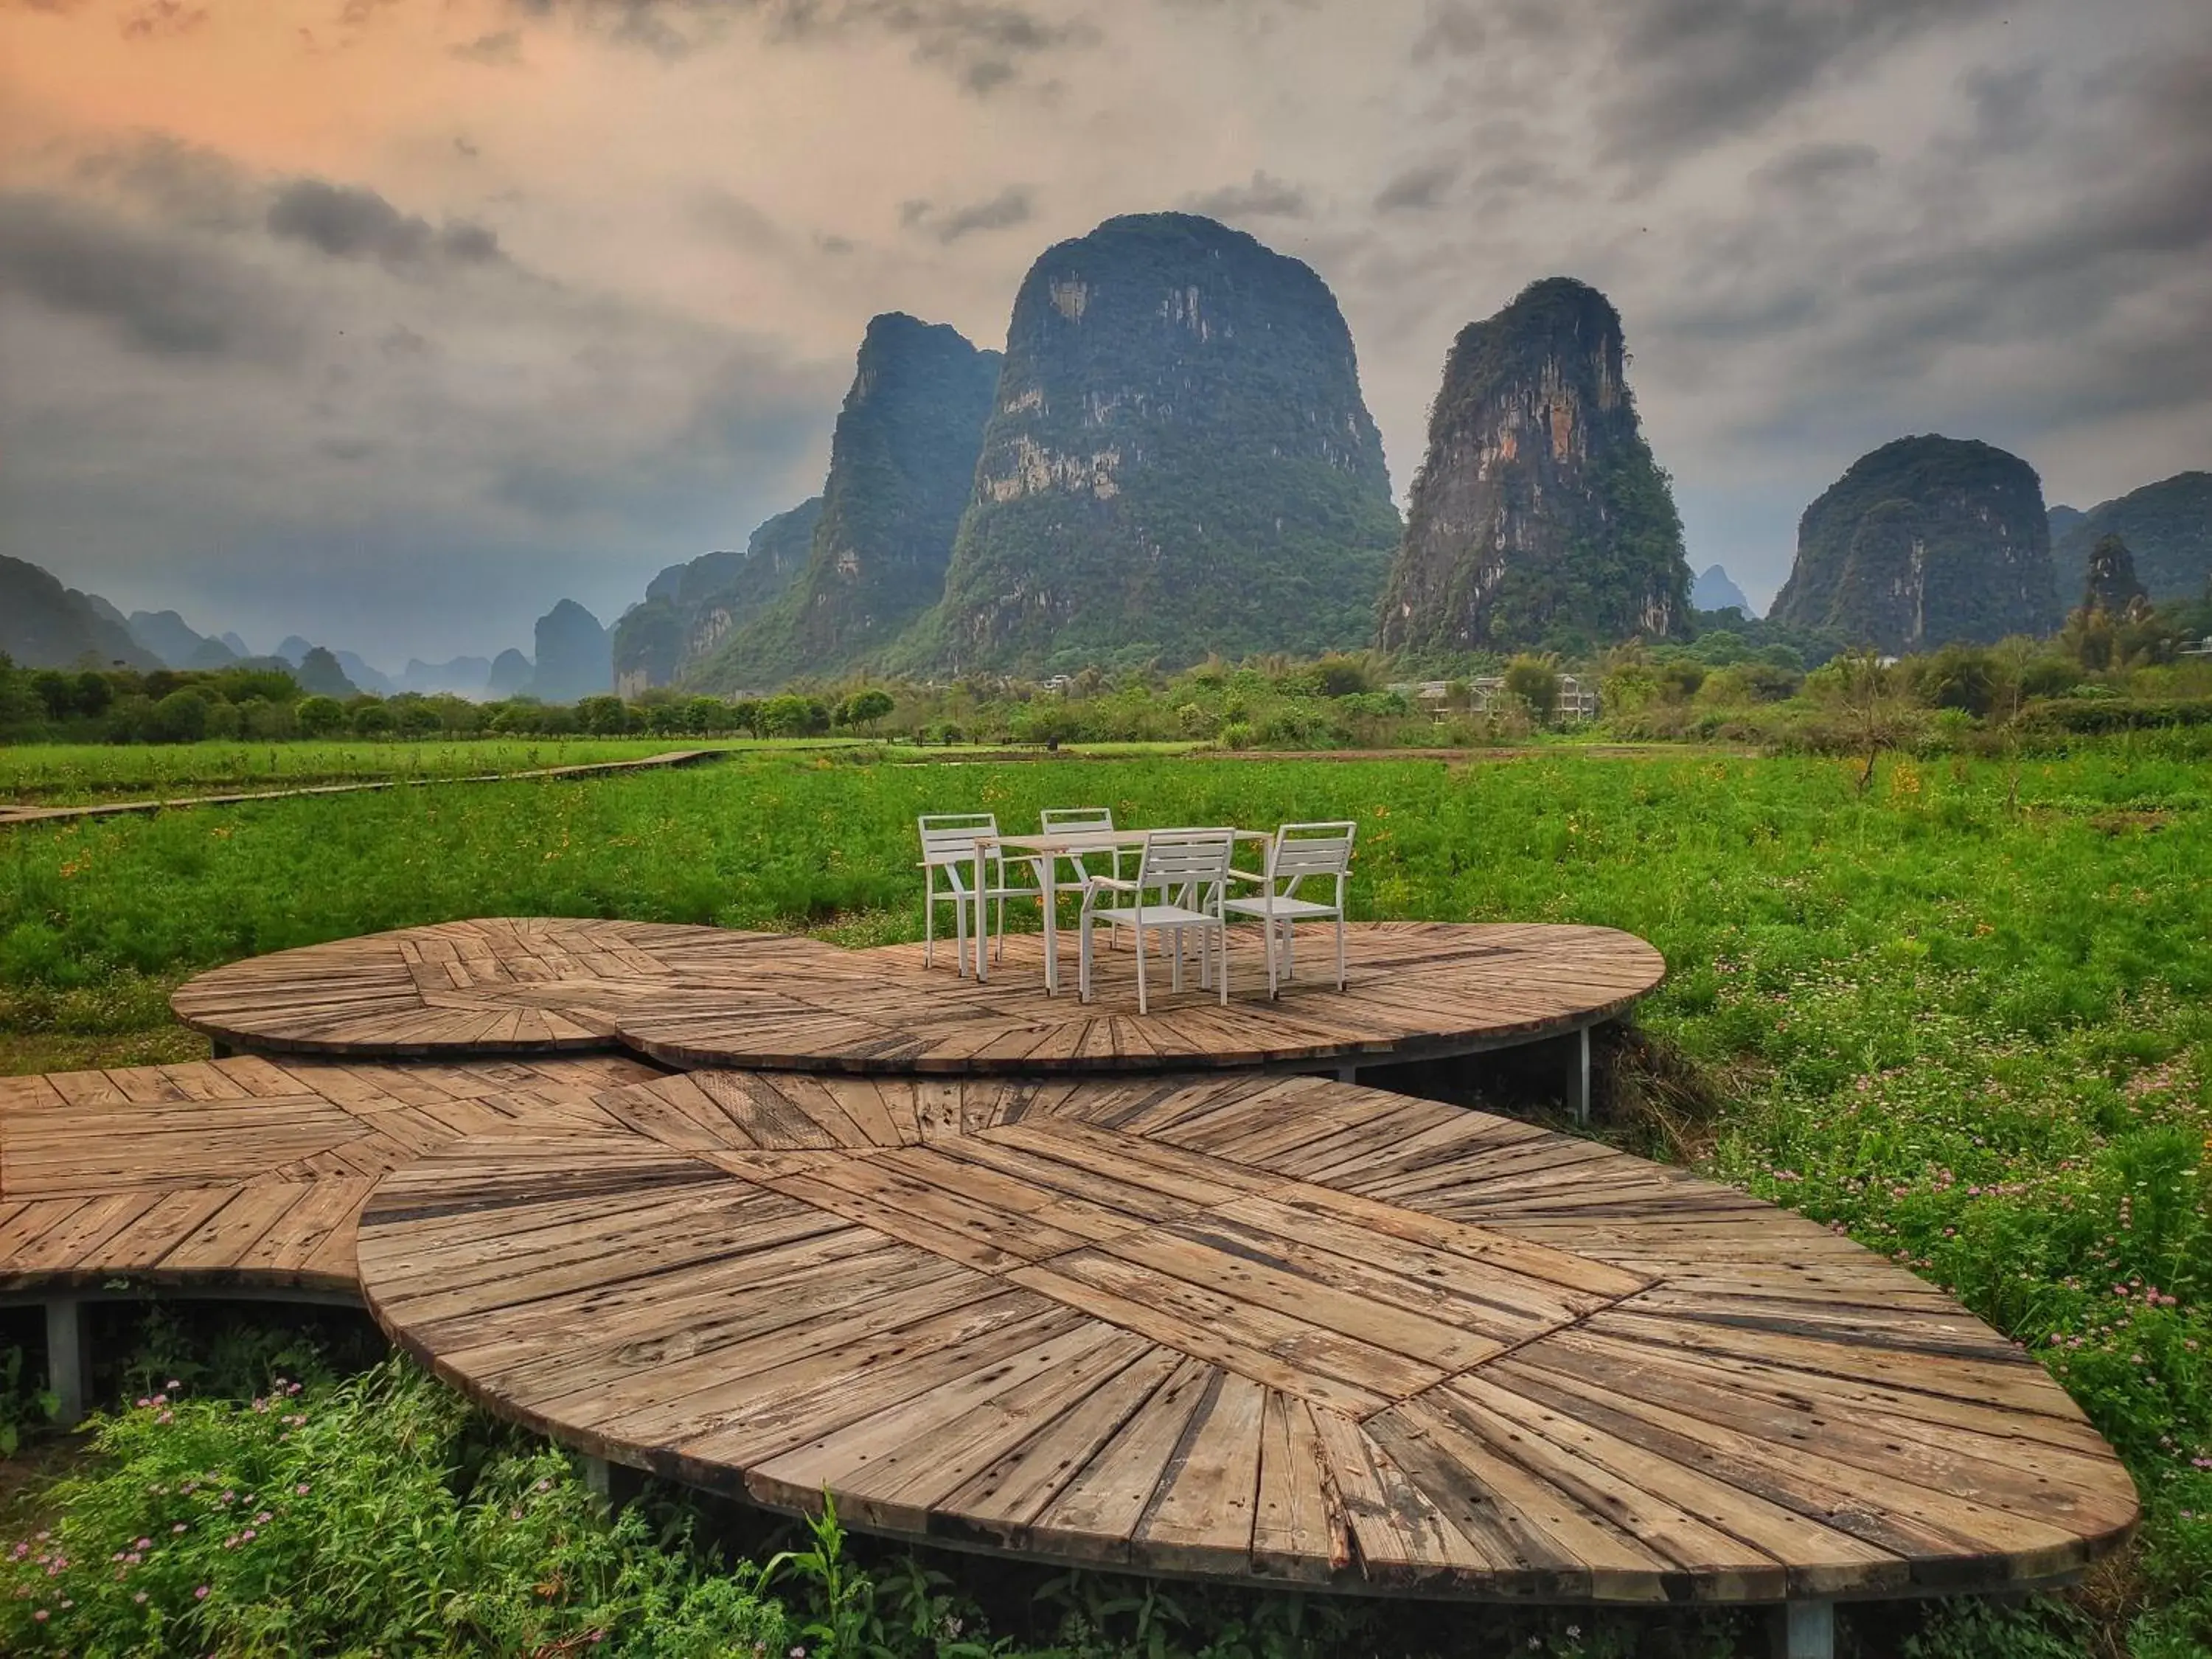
<point>180,717</point>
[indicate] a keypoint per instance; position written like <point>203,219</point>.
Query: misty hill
<point>1178,461</point>
<point>2112,583</point>
<point>169,637</point>
<point>690,609</point>
<point>575,658</point>
<point>359,675</point>
<point>43,624</point>
<point>461,676</point>
<point>1923,542</point>
<point>2167,527</point>
<point>1713,589</point>
<point>1538,514</point>
<point>901,470</point>
<point>510,674</point>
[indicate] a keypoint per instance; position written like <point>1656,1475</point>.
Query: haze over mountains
<point>1173,459</point>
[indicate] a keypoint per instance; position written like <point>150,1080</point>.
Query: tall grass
<point>1966,1015</point>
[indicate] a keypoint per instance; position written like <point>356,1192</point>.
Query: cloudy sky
<point>389,322</point>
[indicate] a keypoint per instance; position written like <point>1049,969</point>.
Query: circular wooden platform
<point>702,996</point>
<point>1252,1327</point>
<point>243,1173</point>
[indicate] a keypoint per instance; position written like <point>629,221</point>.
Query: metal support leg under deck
<point>65,1359</point>
<point>1578,1078</point>
<point>1805,1629</point>
<point>1347,1074</point>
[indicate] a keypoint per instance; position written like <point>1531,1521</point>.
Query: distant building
<point>1577,696</point>
<point>2202,648</point>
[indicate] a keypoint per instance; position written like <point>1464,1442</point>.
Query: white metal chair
<point>1189,869</point>
<point>1299,852</point>
<point>1080,819</point>
<point>948,843</point>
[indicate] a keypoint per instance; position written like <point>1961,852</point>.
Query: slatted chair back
<point>948,843</point>
<point>1079,818</point>
<point>1303,850</point>
<point>1186,858</point>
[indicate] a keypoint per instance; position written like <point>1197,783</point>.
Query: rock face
<point>2167,527</point>
<point>2110,585</point>
<point>43,624</point>
<point>1538,515</point>
<point>1927,541</point>
<point>690,609</point>
<point>1178,461</point>
<point>1713,589</point>
<point>574,659</point>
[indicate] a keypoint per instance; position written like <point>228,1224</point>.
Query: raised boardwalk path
<point>1174,1313</point>
<point>112,809</point>
<point>705,996</point>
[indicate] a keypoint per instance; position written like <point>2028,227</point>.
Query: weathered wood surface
<point>244,1172</point>
<point>1264,1329</point>
<point>13,813</point>
<point>702,996</point>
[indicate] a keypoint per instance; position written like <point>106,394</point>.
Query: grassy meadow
<point>1964,1014</point>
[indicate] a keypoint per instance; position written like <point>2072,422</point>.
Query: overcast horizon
<point>389,323</point>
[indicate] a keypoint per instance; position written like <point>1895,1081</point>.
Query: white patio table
<point>1047,850</point>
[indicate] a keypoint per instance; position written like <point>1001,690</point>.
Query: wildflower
<point>179,1526</point>
<point>300,1491</point>
<point>40,1616</point>
<point>140,1598</point>
<point>200,1595</point>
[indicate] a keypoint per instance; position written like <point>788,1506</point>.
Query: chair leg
<point>929,930</point>
<point>1268,938</point>
<point>1082,961</point>
<point>1141,1008</point>
<point>960,933</point>
<point>1339,949</point>
<point>1175,974</point>
<point>1221,933</point>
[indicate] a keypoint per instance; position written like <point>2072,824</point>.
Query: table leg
<point>982,921</point>
<point>1050,865</point>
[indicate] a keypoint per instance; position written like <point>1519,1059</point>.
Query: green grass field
<point>1966,1016</point>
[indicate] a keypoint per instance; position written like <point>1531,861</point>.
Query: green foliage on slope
<point>1180,462</point>
<point>1926,541</point>
<point>2167,526</point>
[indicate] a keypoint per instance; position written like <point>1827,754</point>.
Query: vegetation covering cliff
<point>2167,527</point>
<point>1538,516</point>
<point>690,609</point>
<point>1925,541</point>
<point>2112,583</point>
<point>901,469</point>
<point>43,624</point>
<point>1179,462</point>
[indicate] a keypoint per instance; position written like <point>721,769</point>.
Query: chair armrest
<point>1109,881</point>
<point>1245,875</point>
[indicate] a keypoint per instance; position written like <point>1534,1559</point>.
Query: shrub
<point>319,717</point>
<point>180,717</point>
<point>372,720</point>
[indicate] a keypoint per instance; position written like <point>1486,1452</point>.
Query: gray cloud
<point>181,184</point>
<point>1690,72</point>
<point>1814,167</point>
<point>983,44</point>
<point>1012,206</point>
<point>150,18</point>
<point>1265,197</point>
<point>163,294</point>
<point>501,49</point>
<point>347,222</point>
<point>1417,190</point>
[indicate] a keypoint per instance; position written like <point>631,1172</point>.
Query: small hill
<point>690,609</point>
<point>1539,516</point>
<point>574,655</point>
<point>2112,585</point>
<point>1926,541</point>
<point>2167,527</point>
<point>1178,461</point>
<point>43,624</point>
<point>1713,589</point>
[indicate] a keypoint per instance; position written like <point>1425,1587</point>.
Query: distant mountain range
<point>1713,589</point>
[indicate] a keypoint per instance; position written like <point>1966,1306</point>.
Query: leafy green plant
<point>22,1407</point>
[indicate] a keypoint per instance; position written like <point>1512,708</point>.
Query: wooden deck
<point>1259,1328</point>
<point>241,1173</point>
<point>702,996</point>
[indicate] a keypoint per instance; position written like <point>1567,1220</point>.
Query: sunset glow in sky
<point>389,322</point>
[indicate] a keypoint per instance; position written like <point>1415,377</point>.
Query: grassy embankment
<point>1975,1032</point>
